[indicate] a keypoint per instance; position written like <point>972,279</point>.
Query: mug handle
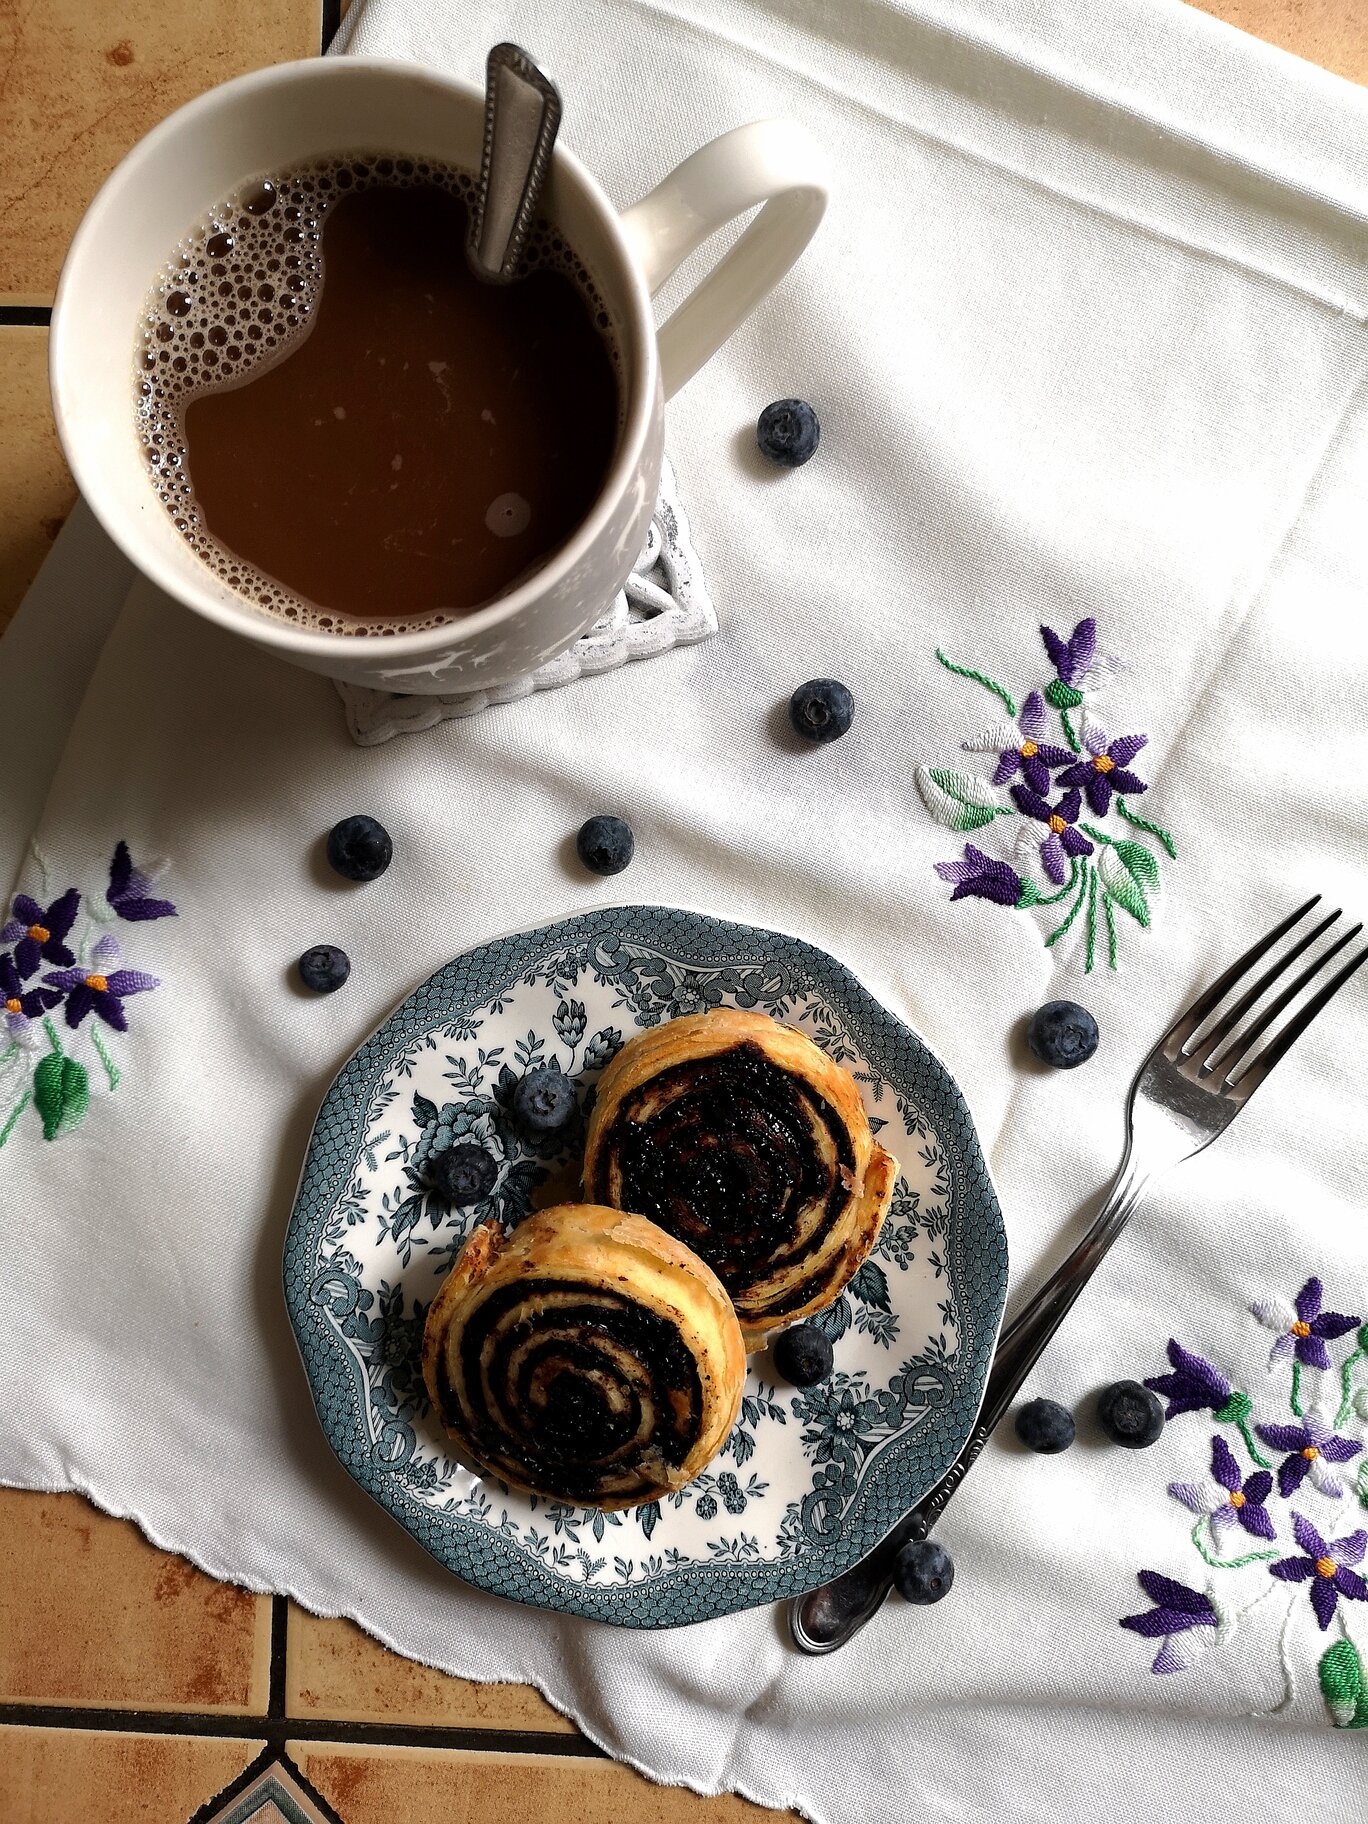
<point>771,162</point>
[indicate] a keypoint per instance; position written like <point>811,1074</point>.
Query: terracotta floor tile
<point>1326,32</point>
<point>36,490</point>
<point>333,1669</point>
<point>80,83</point>
<point>78,1776</point>
<point>90,1613</point>
<point>425,1786</point>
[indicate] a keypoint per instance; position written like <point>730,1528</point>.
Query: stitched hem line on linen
<point>1173,151</point>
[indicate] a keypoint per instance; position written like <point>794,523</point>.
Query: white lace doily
<point>664,603</point>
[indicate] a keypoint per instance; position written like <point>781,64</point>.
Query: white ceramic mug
<point>293,112</point>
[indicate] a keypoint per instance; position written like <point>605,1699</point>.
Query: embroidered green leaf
<point>1126,869</point>
<point>47,1092</point>
<point>1062,695</point>
<point>1361,1483</point>
<point>960,801</point>
<point>1028,896</point>
<point>1343,1685</point>
<point>61,1092</point>
<point>75,1092</point>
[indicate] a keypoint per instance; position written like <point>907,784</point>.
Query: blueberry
<point>463,1174</point>
<point>788,432</point>
<point>359,848</point>
<point>803,1355</point>
<point>543,1100</point>
<point>1130,1414</point>
<point>923,1571</point>
<point>821,710</point>
<point>324,968</point>
<point>1063,1034</point>
<point>1045,1426</point>
<point>605,845</point>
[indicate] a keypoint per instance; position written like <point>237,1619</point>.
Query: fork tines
<point>1223,1047</point>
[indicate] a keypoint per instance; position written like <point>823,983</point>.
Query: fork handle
<point>826,1618</point>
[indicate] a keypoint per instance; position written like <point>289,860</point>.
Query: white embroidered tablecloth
<point>1085,327</point>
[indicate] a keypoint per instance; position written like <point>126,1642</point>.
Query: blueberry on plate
<point>463,1174</point>
<point>1062,1034</point>
<point>605,845</point>
<point>324,968</point>
<point>1045,1427</point>
<point>1131,1415</point>
<point>923,1571</point>
<point>359,848</point>
<point>821,710</point>
<point>788,432</point>
<point>543,1101</point>
<point>803,1355</point>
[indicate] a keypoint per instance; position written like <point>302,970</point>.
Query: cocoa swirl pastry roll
<point>741,1137</point>
<point>587,1356</point>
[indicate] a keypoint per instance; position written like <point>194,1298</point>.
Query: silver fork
<point>1187,1092</point>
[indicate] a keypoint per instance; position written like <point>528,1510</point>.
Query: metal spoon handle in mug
<point>774,166</point>
<point>522,117</point>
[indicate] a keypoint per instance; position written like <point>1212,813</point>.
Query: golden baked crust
<point>745,1139</point>
<point>587,1355</point>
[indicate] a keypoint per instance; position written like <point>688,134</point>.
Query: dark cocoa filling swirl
<point>739,1158</point>
<point>578,1391</point>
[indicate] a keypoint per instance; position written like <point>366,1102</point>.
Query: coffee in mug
<point>346,425</point>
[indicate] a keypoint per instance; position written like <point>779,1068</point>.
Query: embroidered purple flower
<point>37,933</point>
<point>1072,658</point>
<point>1105,768</point>
<point>1063,839</point>
<point>1176,1609</point>
<point>1303,1328</point>
<point>1312,1446</point>
<point>21,1006</point>
<point>1194,1384</point>
<point>1022,748</point>
<point>129,890</point>
<point>1327,1565</point>
<point>100,989</point>
<point>1226,1499</point>
<point>978,876</point>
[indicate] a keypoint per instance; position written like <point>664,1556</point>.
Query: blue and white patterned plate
<point>808,1481</point>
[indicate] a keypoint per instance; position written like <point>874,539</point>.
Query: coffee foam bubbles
<point>236,297</point>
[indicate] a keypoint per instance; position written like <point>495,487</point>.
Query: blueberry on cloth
<point>923,1571</point>
<point>463,1174</point>
<point>1063,1034</point>
<point>324,968</point>
<point>788,432</point>
<point>821,710</point>
<point>359,848</point>
<point>804,1355</point>
<point>1130,1414</point>
<point>605,845</point>
<point>543,1100</point>
<point>1045,1426</point>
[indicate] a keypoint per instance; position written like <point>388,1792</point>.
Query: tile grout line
<point>279,1730</point>
<point>29,316</point>
<point>330,20</point>
<point>280,1621</point>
